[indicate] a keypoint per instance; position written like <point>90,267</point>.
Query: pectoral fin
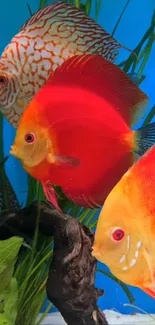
<point>63,160</point>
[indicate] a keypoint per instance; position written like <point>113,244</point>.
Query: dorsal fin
<point>107,80</point>
<point>41,14</point>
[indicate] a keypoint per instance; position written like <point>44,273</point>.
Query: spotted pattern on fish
<point>46,40</point>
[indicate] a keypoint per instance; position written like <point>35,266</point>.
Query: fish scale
<point>52,35</point>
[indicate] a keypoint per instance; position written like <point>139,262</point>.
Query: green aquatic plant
<point>137,60</point>
<point>142,51</point>
<point>122,285</point>
<point>8,284</point>
<point>42,4</point>
<point>120,17</point>
<point>31,275</point>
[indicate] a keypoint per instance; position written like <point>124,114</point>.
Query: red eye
<point>118,234</point>
<point>30,137</point>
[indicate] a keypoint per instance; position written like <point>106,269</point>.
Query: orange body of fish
<point>125,234</point>
<point>75,133</point>
<point>51,36</point>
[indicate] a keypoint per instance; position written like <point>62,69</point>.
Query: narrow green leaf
<point>29,9</point>
<point>43,3</point>
<point>122,285</point>
<point>88,7</point>
<point>120,17</point>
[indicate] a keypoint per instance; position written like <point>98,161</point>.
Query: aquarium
<point>43,248</point>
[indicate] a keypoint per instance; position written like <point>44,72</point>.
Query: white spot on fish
<point>46,64</point>
<point>56,59</point>
<point>132,263</point>
<point>37,55</point>
<point>128,242</point>
<point>125,268</point>
<point>73,46</point>
<point>82,48</point>
<point>57,49</point>
<point>136,254</point>
<point>139,244</point>
<point>49,47</point>
<point>23,41</point>
<point>30,49</point>
<point>39,43</point>
<point>65,53</point>
<point>80,41</point>
<point>30,59</point>
<point>122,259</point>
<point>45,54</point>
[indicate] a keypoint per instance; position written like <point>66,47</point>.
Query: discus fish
<point>52,35</point>
<point>125,234</point>
<point>74,133</point>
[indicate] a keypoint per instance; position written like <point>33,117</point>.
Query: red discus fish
<point>75,133</point>
<point>125,234</point>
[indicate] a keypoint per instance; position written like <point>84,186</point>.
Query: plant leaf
<point>9,249</point>
<point>122,285</point>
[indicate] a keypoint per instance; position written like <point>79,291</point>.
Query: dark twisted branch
<point>70,285</point>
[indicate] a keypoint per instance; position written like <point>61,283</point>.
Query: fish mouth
<point>13,151</point>
<point>96,253</point>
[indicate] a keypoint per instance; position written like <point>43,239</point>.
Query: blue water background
<point>130,31</point>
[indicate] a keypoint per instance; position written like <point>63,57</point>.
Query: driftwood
<point>70,285</point>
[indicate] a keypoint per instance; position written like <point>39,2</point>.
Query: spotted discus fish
<point>48,38</point>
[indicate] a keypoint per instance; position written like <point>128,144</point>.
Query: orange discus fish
<point>74,133</point>
<point>125,234</point>
<point>51,36</point>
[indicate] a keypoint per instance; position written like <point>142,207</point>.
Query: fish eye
<point>30,137</point>
<point>3,79</point>
<point>117,234</point>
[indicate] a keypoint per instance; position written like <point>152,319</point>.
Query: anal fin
<point>51,194</point>
<point>149,291</point>
<point>83,200</point>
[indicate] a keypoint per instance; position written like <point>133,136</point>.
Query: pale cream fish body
<point>130,258</point>
<point>51,36</point>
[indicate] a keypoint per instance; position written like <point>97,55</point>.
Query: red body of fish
<point>90,137</point>
<point>86,106</point>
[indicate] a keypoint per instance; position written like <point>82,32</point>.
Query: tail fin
<point>145,138</point>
